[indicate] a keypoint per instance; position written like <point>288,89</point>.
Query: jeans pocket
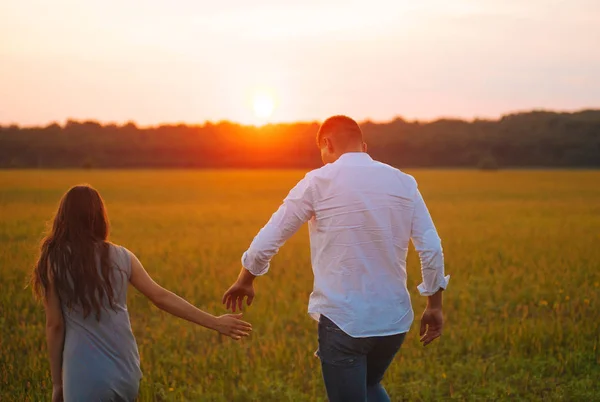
<point>328,325</point>
<point>335,330</point>
<point>338,348</point>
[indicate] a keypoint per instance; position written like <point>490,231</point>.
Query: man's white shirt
<point>362,215</point>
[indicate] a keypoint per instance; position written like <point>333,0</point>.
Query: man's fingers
<point>423,328</point>
<point>249,301</point>
<point>430,337</point>
<point>429,334</point>
<point>225,295</point>
<point>240,302</point>
<point>428,341</point>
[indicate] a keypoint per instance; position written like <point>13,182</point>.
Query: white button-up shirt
<point>362,215</point>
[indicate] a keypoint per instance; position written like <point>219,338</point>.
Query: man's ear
<point>329,144</point>
<point>364,147</point>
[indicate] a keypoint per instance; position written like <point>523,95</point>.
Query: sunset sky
<point>266,60</point>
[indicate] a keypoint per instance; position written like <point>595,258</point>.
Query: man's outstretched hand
<point>242,288</point>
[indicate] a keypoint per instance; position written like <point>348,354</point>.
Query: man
<point>362,215</point>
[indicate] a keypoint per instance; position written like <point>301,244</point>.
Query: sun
<point>264,105</point>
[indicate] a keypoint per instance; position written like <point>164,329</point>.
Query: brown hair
<point>340,125</point>
<point>69,253</point>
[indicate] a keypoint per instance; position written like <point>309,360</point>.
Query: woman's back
<point>92,352</point>
<point>100,358</point>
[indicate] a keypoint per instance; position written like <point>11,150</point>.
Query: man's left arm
<point>429,246</point>
<point>297,209</point>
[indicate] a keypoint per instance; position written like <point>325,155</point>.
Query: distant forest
<point>533,139</point>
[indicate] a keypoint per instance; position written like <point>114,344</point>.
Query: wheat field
<point>522,307</point>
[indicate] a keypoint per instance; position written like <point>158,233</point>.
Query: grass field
<point>522,309</point>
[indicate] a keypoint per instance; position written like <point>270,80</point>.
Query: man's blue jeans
<point>354,367</point>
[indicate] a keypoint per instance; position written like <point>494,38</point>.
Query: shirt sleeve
<point>429,246</point>
<point>297,208</point>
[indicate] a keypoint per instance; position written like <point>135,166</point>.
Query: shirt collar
<point>354,158</point>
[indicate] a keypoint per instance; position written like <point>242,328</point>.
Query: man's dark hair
<point>340,126</point>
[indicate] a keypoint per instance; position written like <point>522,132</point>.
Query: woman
<point>82,280</point>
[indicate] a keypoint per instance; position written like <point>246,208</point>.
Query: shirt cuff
<point>252,268</point>
<point>441,283</point>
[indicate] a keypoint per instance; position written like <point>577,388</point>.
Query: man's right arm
<point>297,208</point>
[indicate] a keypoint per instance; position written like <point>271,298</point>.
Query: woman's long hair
<point>70,254</point>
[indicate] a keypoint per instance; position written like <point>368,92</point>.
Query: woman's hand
<point>57,393</point>
<point>232,326</point>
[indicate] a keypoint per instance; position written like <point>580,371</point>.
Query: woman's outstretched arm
<point>55,338</point>
<point>228,324</point>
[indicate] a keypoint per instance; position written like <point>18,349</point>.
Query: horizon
<point>276,123</point>
<point>269,62</point>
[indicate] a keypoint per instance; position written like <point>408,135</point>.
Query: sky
<point>190,61</point>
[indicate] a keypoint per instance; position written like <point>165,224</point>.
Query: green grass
<point>522,308</point>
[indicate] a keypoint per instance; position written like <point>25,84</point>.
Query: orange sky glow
<point>272,61</point>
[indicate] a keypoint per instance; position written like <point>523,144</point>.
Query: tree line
<point>531,139</point>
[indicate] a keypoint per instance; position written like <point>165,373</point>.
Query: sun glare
<point>263,105</point>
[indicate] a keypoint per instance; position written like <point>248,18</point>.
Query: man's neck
<point>352,151</point>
